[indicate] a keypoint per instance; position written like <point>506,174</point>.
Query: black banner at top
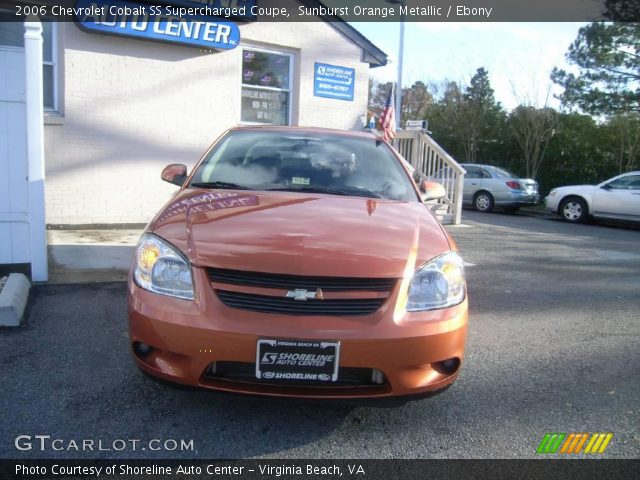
<point>355,10</point>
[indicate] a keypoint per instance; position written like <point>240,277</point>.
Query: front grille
<point>289,282</point>
<point>246,372</point>
<point>289,306</point>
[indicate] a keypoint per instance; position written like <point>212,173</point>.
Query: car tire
<point>574,210</point>
<point>483,202</point>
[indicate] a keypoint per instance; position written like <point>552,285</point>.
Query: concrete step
<point>438,208</point>
<point>441,212</point>
<point>446,219</point>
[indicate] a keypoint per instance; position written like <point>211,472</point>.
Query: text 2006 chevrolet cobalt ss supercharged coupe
<point>299,262</point>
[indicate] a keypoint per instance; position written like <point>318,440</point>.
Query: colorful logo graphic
<point>574,443</point>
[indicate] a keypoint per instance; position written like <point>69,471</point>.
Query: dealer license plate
<point>297,360</point>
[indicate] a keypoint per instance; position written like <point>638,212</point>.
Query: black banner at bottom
<point>318,469</point>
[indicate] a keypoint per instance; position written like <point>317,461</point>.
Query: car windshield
<point>312,162</point>
<point>501,172</point>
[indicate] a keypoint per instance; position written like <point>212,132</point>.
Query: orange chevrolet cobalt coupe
<point>299,262</point>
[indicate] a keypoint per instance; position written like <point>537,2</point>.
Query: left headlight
<point>161,268</point>
<point>438,283</point>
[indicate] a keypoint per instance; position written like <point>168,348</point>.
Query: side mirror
<point>606,186</point>
<point>431,190</point>
<point>175,173</point>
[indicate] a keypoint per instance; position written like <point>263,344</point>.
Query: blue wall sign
<point>332,81</point>
<point>151,22</point>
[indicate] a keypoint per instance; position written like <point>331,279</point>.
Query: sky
<point>518,56</point>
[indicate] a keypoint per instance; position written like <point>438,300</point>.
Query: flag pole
<point>399,85</point>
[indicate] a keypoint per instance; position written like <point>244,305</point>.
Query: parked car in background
<point>299,262</point>
<point>617,198</point>
<point>487,186</point>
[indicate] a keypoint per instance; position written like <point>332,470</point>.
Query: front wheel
<point>483,202</point>
<point>574,210</point>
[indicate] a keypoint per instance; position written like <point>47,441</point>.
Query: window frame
<point>288,91</point>
<point>12,47</point>
<point>55,63</point>
<point>630,185</point>
<point>498,172</point>
<point>473,172</point>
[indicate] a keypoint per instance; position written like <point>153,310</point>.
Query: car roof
<point>298,130</point>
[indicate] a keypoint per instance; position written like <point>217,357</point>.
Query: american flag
<point>387,119</point>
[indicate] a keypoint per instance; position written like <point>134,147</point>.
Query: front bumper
<point>551,203</point>
<point>189,336</point>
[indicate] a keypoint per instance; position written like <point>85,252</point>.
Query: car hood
<point>576,189</point>
<point>303,234</point>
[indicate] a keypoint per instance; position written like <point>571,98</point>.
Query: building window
<point>12,36</point>
<point>266,87</point>
<point>11,32</point>
<point>49,66</point>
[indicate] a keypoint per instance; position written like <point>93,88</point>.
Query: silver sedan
<point>486,187</point>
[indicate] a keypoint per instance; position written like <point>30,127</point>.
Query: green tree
<point>415,102</point>
<point>577,153</point>
<point>533,128</point>
<point>446,118</point>
<point>483,120</point>
<point>483,115</point>
<point>586,151</point>
<point>467,120</point>
<point>623,132</point>
<point>608,58</point>
<point>378,93</point>
<point>622,10</point>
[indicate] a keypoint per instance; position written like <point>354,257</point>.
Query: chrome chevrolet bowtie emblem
<point>304,294</point>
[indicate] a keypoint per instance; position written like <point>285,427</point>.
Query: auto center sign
<point>155,22</point>
<point>333,81</point>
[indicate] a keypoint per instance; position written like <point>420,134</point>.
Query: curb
<point>13,300</point>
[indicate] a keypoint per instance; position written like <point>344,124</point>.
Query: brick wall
<point>131,107</point>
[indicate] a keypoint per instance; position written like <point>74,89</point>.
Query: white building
<point>117,109</point>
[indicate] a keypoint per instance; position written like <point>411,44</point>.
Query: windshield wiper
<point>229,185</point>
<point>355,191</point>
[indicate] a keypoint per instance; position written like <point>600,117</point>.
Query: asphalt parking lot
<point>554,346</point>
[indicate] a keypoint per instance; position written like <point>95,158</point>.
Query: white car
<point>617,198</point>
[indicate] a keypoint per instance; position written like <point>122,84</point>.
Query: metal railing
<point>433,162</point>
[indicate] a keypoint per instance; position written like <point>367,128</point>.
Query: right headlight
<point>438,283</point>
<point>161,268</point>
